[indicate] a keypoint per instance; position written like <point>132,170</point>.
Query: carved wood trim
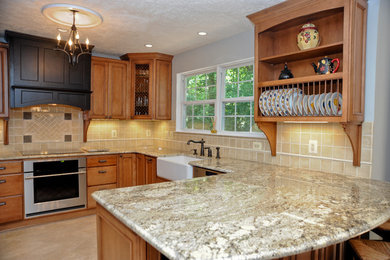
<point>270,130</point>
<point>354,133</point>
<point>86,123</point>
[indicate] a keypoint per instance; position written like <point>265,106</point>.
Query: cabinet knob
<point>2,181</point>
<point>3,168</point>
<point>149,160</point>
<point>102,171</point>
<point>102,161</point>
<point>3,203</point>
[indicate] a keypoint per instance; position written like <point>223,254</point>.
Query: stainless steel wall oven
<point>54,185</point>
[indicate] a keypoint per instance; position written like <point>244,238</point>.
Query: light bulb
<point>70,42</point>
<point>77,36</point>
<point>59,37</point>
<point>87,41</point>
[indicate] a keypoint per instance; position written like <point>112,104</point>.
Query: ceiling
<point>170,25</point>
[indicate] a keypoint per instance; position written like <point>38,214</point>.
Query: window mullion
<point>218,103</point>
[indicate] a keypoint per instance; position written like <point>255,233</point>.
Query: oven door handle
<point>53,175</point>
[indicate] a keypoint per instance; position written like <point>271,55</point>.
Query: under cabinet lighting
<point>148,45</point>
<point>202,33</point>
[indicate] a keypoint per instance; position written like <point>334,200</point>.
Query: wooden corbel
<point>354,133</point>
<point>269,129</point>
<point>86,122</point>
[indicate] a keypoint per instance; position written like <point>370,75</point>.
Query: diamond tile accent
<point>47,127</point>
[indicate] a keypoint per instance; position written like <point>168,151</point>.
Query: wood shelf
<point>305,54</point>
<point>296,119</point>
<point>316,78</point>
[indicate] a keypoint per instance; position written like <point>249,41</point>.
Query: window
<point>220,97</point>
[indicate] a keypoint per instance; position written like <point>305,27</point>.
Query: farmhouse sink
<point>175,167</point>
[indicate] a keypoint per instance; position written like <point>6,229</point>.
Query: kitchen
<point>134,144</point>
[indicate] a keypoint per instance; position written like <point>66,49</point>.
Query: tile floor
<point>68,239</point>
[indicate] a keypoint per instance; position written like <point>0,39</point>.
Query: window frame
<point>218,102</point>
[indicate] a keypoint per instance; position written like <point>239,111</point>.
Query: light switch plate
<point>114,133</point>
<point>257,145</point>
<point>313,146</point>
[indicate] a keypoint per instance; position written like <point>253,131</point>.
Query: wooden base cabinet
<point>127,170</point>
<point>101,175</point>
<point>11,191</point>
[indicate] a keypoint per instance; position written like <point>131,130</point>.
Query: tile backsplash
<point>58,127</point>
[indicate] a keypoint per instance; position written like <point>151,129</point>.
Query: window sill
<point>228,134</point>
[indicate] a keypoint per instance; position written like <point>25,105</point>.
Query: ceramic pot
<point>308,37</point>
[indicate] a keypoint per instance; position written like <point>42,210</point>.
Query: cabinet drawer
<point>11,208</point>
<point>10,167</point>
<point>91,201</point>
<point>94,161</point>
<point>101,175</point>
<point>11,185</point>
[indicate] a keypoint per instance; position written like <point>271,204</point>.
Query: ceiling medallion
<point>71,15</point>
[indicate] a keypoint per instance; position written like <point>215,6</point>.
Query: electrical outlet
<point>313,146</point>
<point>114,133</point>
<point>257,145</point>
<point>148,132</point>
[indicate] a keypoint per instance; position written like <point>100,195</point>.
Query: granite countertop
<point>153,151</point>
<point>256,211</point>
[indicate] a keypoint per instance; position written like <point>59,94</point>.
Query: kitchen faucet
<point>201,142</point>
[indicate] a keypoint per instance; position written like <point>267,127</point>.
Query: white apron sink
<point>175,167</point>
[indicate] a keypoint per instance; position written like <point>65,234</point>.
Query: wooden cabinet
<point>101,175</point>
<point>141,177</point>
<point>151,85</point>
<point>3,80</point>
<point>127,170</point>
<point>342,28</point>
<point>150,169</point>
<point>41,75</point>
<point>11,191</point>
<point>109,83</point>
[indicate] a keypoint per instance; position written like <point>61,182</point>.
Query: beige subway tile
<point>327,139</point>
<point>367,141</point>
<point>339,140</point>
<point>285,137</point>
<point>305,149</point>
<point>315,164</point>
<point>295,138</point>
<point>338,167</point>
<point>304,163</point>
<point>366,155</point>
<point>286,148</point>
<point>326,165</point>
<point>294,162</point>
<point>285,160</point>
<point>326,151</point>
<point>260,157</point>
<point>367,128</point>
<point>305,138</point>
<point>338,152</point>
<point>364,171</point>
<point>350,170</point>
<point>295,148</point>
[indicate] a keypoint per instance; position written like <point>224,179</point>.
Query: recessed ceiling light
<point>148,45</point>
<point>202,33</point>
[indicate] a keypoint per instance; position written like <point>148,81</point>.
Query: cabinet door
<point>150,170</point>
<point>117,86</point>
<point>3,82</point>
<point>141,178</point>
<point>127,170</point>
<point>163,90</point>
<point>99,83</point>
<point>141,89</point>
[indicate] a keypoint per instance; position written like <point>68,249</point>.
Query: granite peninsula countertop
<point>255,211</point>
<point>155,152</point>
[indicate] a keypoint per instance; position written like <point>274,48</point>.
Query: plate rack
<point>342,28</point>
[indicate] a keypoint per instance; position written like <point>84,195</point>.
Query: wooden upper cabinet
<point>109,88</point>
<point>3,80</point>
<point>151,85</point>
<point>99,87</point>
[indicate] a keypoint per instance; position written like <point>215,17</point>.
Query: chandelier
<point>72,47</point>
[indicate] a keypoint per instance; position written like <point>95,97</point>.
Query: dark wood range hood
<point>41,75</point>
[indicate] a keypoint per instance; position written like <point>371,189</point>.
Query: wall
<point>381,162</point>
